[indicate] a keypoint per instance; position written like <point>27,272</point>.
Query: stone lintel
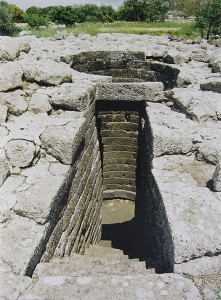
<point>145,91</point>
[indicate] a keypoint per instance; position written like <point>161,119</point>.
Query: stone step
<point>104,252</point>
<point>84,265</point>
<point>136,286</point>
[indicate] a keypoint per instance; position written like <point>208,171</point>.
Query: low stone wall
<point>126,66</point>
<point>79,223</point>
<point>118,129</point>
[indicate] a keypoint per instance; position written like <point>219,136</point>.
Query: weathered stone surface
<point>152,92</point>
<point>117,287</point>
<point>216,61</point>
<point>217,178</point>
<point>75,96</point>
<point>10,76</point>
<point>39,103</point>
<point>12,285</point>
<point>200,55</point>
<point>200,267</point>
<point>11,48</point>
<point>15,101</point>
<point>169,141</point>
<point>169,136</point>
<point>4,167</point>
<point>46,72</point>
<point>3,113</point>
<point>62,142</point>
<point>176,57</point>
<point>210,151</point>
<point>199,105</point>
<point>20,236</point>
<point>40,190</point>
<point>212,85</point>
<point>21,153</point>
<point>193,215</point>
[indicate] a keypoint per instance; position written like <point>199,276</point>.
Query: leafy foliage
<point>6,20</point>
<point>35,20</point>
<point>143,10</point>
<point>208,16</point>
<point>18,15</point>
<point>186,7</point>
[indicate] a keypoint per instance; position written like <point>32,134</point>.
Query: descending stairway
<point>104,273</point>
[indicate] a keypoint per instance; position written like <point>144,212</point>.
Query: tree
<point>18,14</point>
<point>186,7</point>
<point>35,20</point>
<point>133,10</point>
<point>6,20</point>
<point>157,10</point>
<point>64,15</point>
<point>208,16</point>
<point>144,10</point>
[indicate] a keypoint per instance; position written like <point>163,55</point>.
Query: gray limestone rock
<point>20,238</point>
<point>193,214</point>
<point>21,153</point>
<point>10,76</point>
<point>15,101</point>
<point>216,61</point>
<point>210,151</point>
<point>10,48</point>
<point>76,96</point>
<point>212,85</point>
<point>3,113</point>
<point>200,267</point>
<point>148,91</point>
<point>4,167</point>
<point>40,190</point>
<point>12,285</point>
<point>46,72</point>
<point>39,103</point>
<point>199,105</point>
<point>167,286</point>
<point>170,141</point>
<point>63,141</point>
<point>217,178</point>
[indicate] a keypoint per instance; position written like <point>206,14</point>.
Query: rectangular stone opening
<point>133,214</point>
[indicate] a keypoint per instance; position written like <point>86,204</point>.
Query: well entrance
<point>111,168</point>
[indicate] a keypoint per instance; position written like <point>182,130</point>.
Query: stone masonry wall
<point>118,129</point>
<point>80,223</point>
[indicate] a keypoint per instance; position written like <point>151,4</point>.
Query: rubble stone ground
<point>47,91</point>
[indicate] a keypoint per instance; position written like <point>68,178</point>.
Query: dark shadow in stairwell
<point>127,236</point>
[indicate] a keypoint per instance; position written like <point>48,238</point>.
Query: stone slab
<point>20,238</point>
<point>166,286</point>
<point>148,91</point>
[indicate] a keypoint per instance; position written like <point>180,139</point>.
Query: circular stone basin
<point>117,211</point>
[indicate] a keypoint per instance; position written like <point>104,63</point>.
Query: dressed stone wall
<point>80,222</point>
<point>118,129</point>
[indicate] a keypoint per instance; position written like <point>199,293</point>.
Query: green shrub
<point>6,20</point>
<point>208,17</point>
<point>36,21</point>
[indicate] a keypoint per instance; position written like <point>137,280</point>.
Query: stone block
<point>119,155</point>
<point>130,188</point>
<point>121,140</point>
<point>119,193</point>
<point>217,178</point>
<point>148,91</point>
<point>119,133</point>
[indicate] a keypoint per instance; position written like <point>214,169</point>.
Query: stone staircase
<point>104,273</point>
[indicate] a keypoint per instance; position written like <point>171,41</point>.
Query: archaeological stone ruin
<point>110,178</point>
